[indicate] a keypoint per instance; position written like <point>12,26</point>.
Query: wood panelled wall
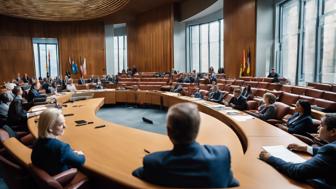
<point>150,40</point>
<point>75,39</point>
<point>239,34</point>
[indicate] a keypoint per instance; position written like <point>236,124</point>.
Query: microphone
<point>146,120</point>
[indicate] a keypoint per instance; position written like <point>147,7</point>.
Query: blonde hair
<point>47,121</point>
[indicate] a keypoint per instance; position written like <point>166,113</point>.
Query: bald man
<point>188,164</point>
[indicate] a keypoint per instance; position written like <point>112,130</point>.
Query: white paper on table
<point>242,117</point>
<point>38,108</point>
<point>283,153</point>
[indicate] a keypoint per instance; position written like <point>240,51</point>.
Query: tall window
<point>289,39</point>
<point>328,57</point>
<point>46,57</point>
<point>206,46</point>
<point>307,40</point>
<point>120,52</point>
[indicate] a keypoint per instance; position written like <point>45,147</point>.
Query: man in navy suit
<point>320,169</point>
<point>188,164</point>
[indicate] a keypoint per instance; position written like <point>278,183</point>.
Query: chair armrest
<point>66,176</point>
<point>78,181</point>
<point>252,112</point>
<point>274,121</point>
<point>304,139</point>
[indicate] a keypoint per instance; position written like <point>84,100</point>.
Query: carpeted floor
<point>131,116</point>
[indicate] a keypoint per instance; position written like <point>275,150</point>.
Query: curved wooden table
<point>114,151</point>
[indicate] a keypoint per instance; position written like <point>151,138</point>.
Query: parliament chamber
<point>207,94</point>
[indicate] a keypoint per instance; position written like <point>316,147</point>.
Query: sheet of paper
<point>242,117</point>
<point>38,108</point>
<point>283,153</point>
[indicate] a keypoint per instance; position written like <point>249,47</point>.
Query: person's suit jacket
<point>320,167</point>
<point>267,112</point>
<point>17,115</point>
<point>300,124</point>
<point>216,96</point>
<point>54,156</point>
<point>240,103</point>
<point>192,165</point>
<point>33,93</point>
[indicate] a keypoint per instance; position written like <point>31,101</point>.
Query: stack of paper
<point>283,153</point>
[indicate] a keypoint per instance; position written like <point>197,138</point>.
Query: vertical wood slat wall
<point>150,40</point>
<point>75,39</point>
<point>239,34</point>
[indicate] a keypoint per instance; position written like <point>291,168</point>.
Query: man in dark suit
<point>320,169</point>
<point>215,95</point>
<point>34,92</point>
<point>188,164</point>
<point>17,115</point>
<point>274,75</point>
<point>238,101</point>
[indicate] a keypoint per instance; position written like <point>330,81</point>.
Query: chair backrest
<point>289,98</point>
<point>281,110</point>
<point>314,93</point>
<point>43,179</point>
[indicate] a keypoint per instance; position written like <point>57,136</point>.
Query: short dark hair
<point>183,121</point>
<point>5,97</point>
<point>329,121</point>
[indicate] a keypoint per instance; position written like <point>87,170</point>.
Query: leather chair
<point>274,86</point>
<point>69,179</point>
<point>325,105</point>
<point>289,98</point>
<point>238,82</point>
<point>276,93</point>
<point>229,81</point>
<point>252,105</point>
<point>286,88</point>
<point>329,96</point>
<point>260,92</point>
<point>246,78</point>
<point>266,79</point>
<point>323,86</point>
<point>315,93</point>
<point>333,88</point>
<point>251,83</point>
<point>281,111</point>
<point>298,90</point>
<point>263,85</point>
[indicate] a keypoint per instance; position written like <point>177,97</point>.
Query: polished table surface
<point>115,151</point>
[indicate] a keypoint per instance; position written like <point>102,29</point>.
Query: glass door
<point>46,57</point>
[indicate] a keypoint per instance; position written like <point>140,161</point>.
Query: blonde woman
<point>49,153</point>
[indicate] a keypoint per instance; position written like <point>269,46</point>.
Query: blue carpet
<point>131,116</point>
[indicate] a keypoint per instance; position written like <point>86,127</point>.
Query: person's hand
<point>296,147</point>
<point>79,152</point>
<point>232,105</point>
<point>264,155</point>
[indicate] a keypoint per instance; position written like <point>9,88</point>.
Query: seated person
<point>99,85</point>
<point>215,95</point>
<point>17,115</point>
<point>197,94</point>
<point>71,86</point>
<point>134,70</point>
<point>49,153</point>
<point>34,92</point>
<point>177,89</point>
<point>46,86</point>
<point>247,93</point>
<point>81,81</point>
<point>267,110</point>
<point>238,101</point>
<point>188,164</point>
<point>274,75</point>
<point>5,100</point>
<point>301,121</point>
<point>321,167</point>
